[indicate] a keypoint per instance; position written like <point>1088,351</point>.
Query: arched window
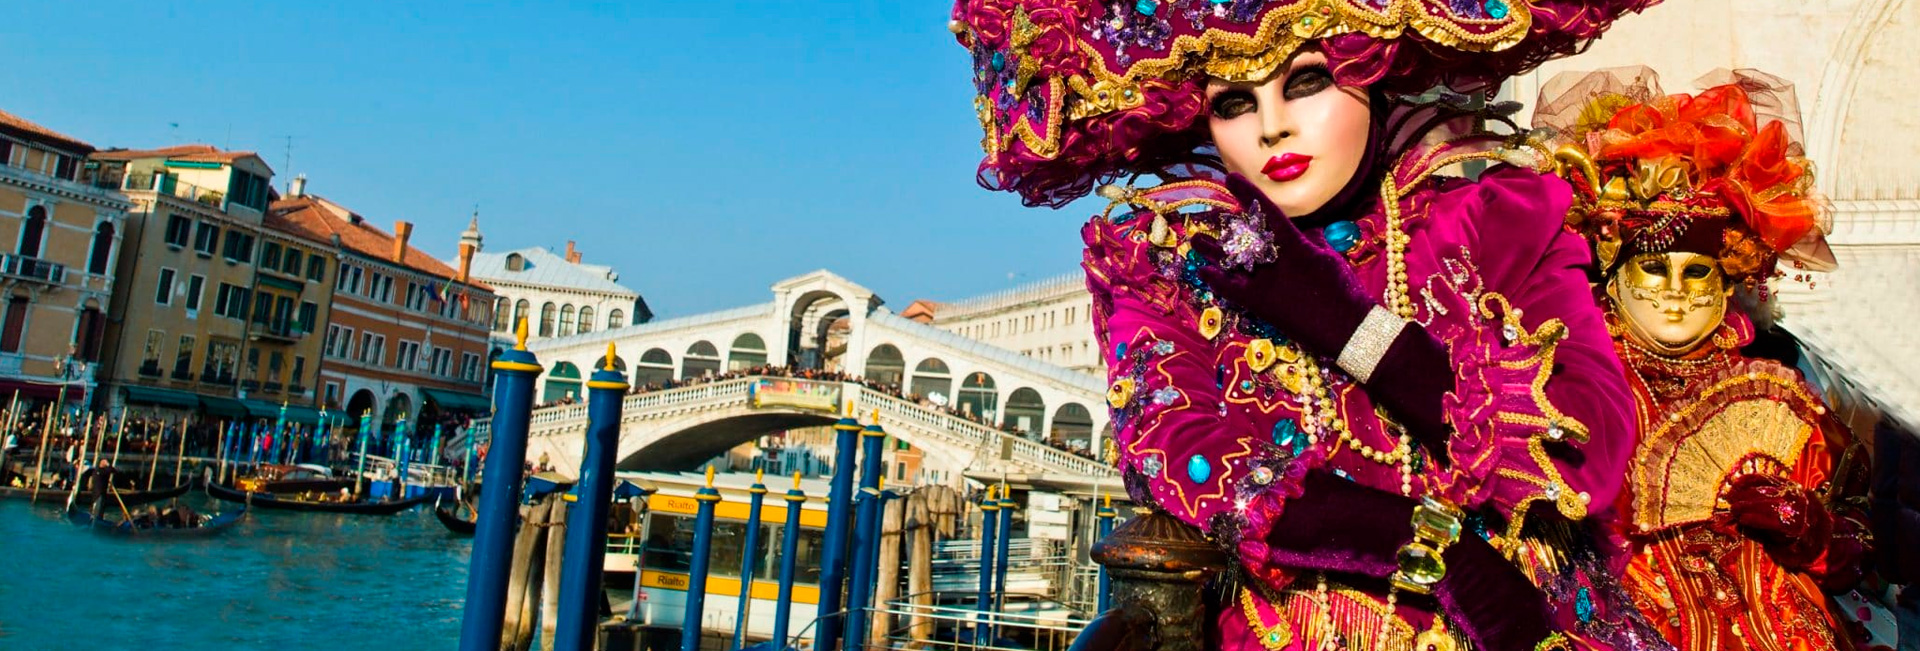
<point>516,262</point>
<point>562,382</point>
<point>500,314</point>
<point>702,359</point>
<point>566,320</point>
<point>546,319</point>
<point>586,319</point>
<point>655,368</point>
<point>33,232</point>
<point>616,320</point>
<point>1073,427</point>
<point>519,314</point>
<point>932,380</point>
<point>884,364</point>
<point>748,351</point>
<point>1026,412</point>
<point>102,249</point>
<point>978,397</point>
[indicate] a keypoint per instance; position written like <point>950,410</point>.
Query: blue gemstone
<point>1583,605</point>
<point>1219,2</point>
<point>1120,349</point>
<point>1198,469</point>
<point>1146,7</point>
<point>1497,9</point>
<point>1287,435</point>
<point>999,61</point>
<point>1342,235</point>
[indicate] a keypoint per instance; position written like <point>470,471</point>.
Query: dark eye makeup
<point>1308,80</point>
<point>1232,103</point>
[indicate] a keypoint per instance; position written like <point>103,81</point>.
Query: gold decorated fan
<point>1682,465</point>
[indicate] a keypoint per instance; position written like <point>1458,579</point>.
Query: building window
<point>616,320</point>
<point>408,352</point>
<point>586,319</point>
<point>163,290</point>
<point>546,319</point>
<point>299,369</point>
<point>333,394</point>
<point>150,354</point>
<point>239,246</point>
<point>270,256</point>
<point>469,367</point>
<point>566,320</point>
<point>292,266</point>
<point>231,302</point>
<point>222,359</point>
<point>206,238</point>
<point>33,232</point>
<point>500,314</point>
<point>316,268</point>
<point>442,362</point>
<point>179,230</point>
<point>102,249</point>
<point>195,284</point>
<point>15,325</point>
<point>66,167</point>
<point>183,359</point>
<point>263,308</point>
<point>308,312</point>
<point>519,314</point>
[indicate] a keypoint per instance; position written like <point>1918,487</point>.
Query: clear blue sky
<point>705,149</point>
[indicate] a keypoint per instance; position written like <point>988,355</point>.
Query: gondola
<point>451,519</point>
<point>271,501</point>
<point>205,525</point>
<point>132,498</point>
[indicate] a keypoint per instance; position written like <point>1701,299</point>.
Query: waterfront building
<point>559,295</point>
<point>1049,320</point>
<point>407,335</point>
<point>63,236</point>
<point>186,290</point>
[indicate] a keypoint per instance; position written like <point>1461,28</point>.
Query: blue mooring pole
<point>989,522</point>
<point>833,570</point>
<point>697,572</point>
<point>789,548</point>
<point>759,493</point>
<point>866,541</point>
<point>1004,558</point>
<point>1104,593</point>
<point>585,554</point>
<point>492,560</point>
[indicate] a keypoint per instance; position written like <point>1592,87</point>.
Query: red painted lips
<point>1286,167</point>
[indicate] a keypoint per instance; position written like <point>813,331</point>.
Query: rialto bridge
<point>970,407</point>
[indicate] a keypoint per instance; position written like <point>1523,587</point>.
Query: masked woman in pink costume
<point>1385,390</point>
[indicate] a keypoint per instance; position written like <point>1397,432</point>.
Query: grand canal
<point>281,581</point>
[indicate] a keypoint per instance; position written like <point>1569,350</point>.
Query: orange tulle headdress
<point>1720,172</point>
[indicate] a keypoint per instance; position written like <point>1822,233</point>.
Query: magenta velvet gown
<point>1208,403</point>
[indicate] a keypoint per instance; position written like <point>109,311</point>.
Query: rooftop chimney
<point>466,260</point>
<point>573,255</point>
<point>402,230</point>
<point>298,188</point>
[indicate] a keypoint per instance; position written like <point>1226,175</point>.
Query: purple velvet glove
<point>1311,293</point>
<point>1336,525</point>
<point>1784,516</point>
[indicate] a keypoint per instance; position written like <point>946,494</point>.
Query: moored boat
<point>163,526</point>
<point>59,496</point>
<point>313,502</point>
<point>452,520</point>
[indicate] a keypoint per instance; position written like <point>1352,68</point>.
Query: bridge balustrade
<point>999,449</point>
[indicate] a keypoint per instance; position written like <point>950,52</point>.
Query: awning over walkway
<point>223,407</point>
<point>162,397</point>
<point>459,401</point>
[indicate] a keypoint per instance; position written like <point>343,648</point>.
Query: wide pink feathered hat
<point>1072,93</point>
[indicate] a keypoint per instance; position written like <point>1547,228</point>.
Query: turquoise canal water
<point>278,581</point>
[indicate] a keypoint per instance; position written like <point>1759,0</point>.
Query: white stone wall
<point>603,303</point>
<point>1049,321</point>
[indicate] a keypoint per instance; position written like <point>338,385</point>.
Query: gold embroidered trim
<point>1554,426</point>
